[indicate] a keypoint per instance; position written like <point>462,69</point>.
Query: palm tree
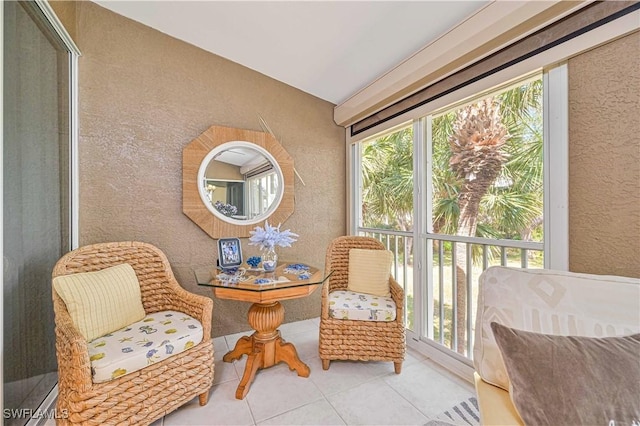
<point>387,193</point>
<point>514,202</point>
<point>477,157</point>
<point>387,181</point>
<point>488,175</point>
<point>476,160</point>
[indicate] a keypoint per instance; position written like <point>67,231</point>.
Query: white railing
<point>452,280</point>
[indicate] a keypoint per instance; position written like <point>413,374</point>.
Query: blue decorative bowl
<point>254,261</point>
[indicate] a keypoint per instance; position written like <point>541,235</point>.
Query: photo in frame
<point>229,253</point>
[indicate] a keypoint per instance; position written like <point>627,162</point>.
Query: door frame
<point>48,17</point>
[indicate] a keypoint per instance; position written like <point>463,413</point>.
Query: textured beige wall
<point>219,170</point>
<point>604,159</point>
<point>143,97</point>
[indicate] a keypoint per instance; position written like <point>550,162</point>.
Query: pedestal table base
<point>265,347</point>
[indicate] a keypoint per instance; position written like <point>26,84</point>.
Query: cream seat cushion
<point>349,305</point>
<point>154,338</point>
<point>369,271</point>
<point>495,404</point>
<point>102,301</point>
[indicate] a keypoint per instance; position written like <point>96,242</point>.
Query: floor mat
<point>462,414</point>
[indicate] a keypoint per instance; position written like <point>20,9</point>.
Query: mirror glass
<point>240,182</point>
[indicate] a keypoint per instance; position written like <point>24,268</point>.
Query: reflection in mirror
<point>268,189</point>
<point>241,182</point>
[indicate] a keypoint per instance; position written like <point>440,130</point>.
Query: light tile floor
<point>352,393</point>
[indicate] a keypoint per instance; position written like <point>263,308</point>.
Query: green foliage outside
<point>511,207</point>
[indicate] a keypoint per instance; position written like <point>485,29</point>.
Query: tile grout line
<point>410,403</point>
<point>306,404</point>
<point>305,333</point>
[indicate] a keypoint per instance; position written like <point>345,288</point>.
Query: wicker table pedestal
<point>265,347</point>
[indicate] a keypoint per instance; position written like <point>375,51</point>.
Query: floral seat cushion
<point>154,338</point>
<point>349,305</point>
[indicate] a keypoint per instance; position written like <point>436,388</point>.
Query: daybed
<point>549,305</point>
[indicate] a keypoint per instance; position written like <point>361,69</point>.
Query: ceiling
<point>239,156</point>
<point>330,49</point>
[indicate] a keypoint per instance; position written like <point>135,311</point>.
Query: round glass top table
<point>265,347</point>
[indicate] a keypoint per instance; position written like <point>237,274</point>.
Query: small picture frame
<point>229,253</point>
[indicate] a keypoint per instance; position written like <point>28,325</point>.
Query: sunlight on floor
<point>348,393</point>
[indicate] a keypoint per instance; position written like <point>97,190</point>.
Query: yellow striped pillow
<point>369,271</point>
<point>103,301</point>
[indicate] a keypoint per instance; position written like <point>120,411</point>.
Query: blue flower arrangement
<point>225,209</point>
<point>254,261</point>
<point>271,236</point>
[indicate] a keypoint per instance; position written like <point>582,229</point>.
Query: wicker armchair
<point>147,394</point>
<point>358,340</point>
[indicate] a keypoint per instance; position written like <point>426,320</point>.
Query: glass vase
<point>269,259</point>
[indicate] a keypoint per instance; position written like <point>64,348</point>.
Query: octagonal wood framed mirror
<point>234,179</point>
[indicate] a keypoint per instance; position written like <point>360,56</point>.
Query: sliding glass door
<point>37,220</point>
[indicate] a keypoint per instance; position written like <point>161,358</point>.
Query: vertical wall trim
<point>422,275</point>
<point>74,163</point>
<point>556,172</point>
<point>352,174</point>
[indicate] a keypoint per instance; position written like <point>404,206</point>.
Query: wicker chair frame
<point>358,340</point>
<point>146,395</point>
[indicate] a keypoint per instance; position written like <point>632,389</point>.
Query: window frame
<point>553,63</point>
<point>555,165</point>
